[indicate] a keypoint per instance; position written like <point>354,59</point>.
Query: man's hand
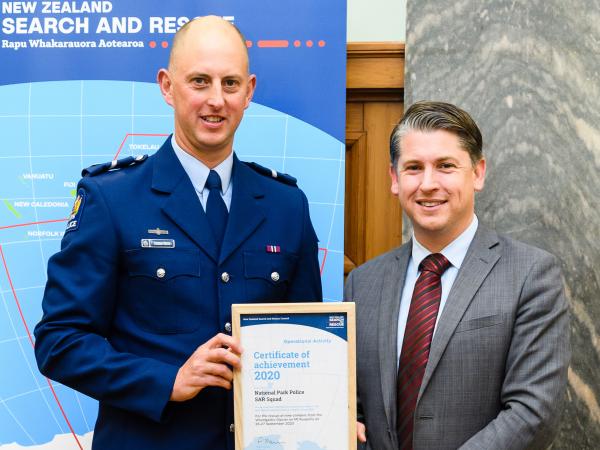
<point>361,432</point>
<point>210,365</point>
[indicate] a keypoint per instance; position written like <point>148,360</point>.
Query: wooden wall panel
<point>375,88</point>
<point>375,65</point>
<point>383,213</point>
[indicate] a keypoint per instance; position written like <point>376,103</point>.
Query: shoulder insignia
<point>75,216</point>
<point>282,177</point>
<point>115,164</point>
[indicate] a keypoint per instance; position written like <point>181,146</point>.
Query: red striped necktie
<point>424,307</point>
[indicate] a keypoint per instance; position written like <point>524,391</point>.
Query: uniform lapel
<point>182,205</point>
<point>246,212</point>
<point>480,259</point>
<point>389,308</point>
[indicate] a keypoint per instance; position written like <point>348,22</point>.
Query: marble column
<point>529,73</point>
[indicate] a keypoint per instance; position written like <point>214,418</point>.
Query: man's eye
<point>447,165</point>
<point>231,83</point>
<point>412,168</point>
<point>200,81</point>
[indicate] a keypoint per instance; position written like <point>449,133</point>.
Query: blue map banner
<point>297,49</point>
<point>77,87</point>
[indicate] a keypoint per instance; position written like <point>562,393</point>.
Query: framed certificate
<point>297,386</point>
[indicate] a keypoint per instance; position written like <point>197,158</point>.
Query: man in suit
<point>137,307</point>
<point>462,333</point>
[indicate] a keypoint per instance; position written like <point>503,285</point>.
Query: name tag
<point>158,243</point>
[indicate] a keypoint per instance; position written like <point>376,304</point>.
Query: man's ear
<point>479,171</point>
<point>164,82</point>
<point>394,176</point>
<point>250,89</point>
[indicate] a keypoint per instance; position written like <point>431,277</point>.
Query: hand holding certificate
<point>297,388</point>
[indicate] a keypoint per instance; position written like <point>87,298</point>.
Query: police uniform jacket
<point>126,303</point>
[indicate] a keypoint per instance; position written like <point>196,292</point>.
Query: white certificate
<point>297,386</point>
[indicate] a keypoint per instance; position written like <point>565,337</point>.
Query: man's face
<point>436,184</point>
<point>209,88</point>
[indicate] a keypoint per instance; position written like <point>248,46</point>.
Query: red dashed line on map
<point>273,44</point>
<point>14,293</point>
<point>325,251</point>
<point>32,223</point>
<point>262,43</point>
<point>128,135</point>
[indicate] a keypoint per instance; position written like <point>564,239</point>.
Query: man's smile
<point>212,119</point>
<point>430,203</point>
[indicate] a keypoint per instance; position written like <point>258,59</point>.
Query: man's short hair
<point>432,116</point>
<point>179,35</point>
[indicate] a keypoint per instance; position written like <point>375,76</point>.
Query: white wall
<point>376,20</point>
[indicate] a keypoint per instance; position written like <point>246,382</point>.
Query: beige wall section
<point>376,20</point>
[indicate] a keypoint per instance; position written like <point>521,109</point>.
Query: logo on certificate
<point>336,322</point>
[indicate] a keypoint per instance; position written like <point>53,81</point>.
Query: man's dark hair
<point>432,116</point>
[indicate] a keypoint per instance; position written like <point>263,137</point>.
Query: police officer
<point>137,304</point>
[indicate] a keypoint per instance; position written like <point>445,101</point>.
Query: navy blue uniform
<point>139,284</point>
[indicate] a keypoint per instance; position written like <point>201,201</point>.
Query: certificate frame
<point>241,397</point>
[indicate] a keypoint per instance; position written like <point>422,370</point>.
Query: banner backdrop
<point>77,87</point>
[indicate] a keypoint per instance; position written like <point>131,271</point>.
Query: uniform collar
<point>198,171</point>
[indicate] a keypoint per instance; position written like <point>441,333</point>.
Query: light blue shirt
<point>198,174</point>
<point>454,252</point>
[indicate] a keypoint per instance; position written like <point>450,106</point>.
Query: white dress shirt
<point>454,252</point>
<point>198,174</point>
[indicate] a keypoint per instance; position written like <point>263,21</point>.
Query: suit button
<point>231,428</point>
<point>228,327</point>
<point>225,277</point>
<point>275,276</point>
<point>160,273</point>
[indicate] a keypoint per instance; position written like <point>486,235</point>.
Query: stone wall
<point>529,73</point>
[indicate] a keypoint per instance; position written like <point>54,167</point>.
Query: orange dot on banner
<point>309,43</point>
<point>248,44</point>
<point>321,43</point>
<point>152,44</point>
<point>297,43</point>
<point>164,44</point>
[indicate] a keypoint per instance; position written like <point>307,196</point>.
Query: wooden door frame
<point>374,81</point>
<point>375,71</point>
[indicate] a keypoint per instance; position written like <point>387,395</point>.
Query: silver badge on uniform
<point>158,243</point>
<point>158,231</point>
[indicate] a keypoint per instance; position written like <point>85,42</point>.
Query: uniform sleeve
<point>306,284</point>
<point>78,307</point>
<point>536,366</point>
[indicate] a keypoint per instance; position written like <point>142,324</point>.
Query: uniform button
<point>225,277</point>
<point>275,276</point>
<point>228,327</point>
<point>160,273</point>
<point>231,428</point>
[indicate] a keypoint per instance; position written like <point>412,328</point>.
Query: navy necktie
<point>422,315</point>
<point>216,211</point>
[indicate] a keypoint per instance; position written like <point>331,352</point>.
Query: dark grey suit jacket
<point>498,362</point>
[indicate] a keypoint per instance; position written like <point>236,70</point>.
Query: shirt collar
<point>454,252</point>
<point>198,171</point>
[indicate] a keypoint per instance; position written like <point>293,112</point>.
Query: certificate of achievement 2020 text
<point>295,380</point>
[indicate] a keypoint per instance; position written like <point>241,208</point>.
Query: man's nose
<point>215,98</point>
<point>429,179</point>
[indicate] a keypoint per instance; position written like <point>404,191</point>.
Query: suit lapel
<point>182,205</point>
<point>479,261</point>
<point>246,212</point>
<point>389,308</point>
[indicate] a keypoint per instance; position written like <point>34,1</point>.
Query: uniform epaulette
<point>283,177</point>
<point>115,164</point>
